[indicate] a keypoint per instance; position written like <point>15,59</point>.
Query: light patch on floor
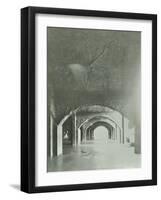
<point>95,155</point>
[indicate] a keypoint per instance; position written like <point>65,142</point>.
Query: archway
<point>101,134</point>
<point>70,128</point>
<point>107,131</point>
<point>87,129</point>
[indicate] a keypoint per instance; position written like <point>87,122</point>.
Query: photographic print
<point>93,80</point>
<point>88,99</point>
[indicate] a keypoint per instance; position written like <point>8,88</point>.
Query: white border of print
<point>77,177</point>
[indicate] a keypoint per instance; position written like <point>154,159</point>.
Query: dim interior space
<point>94,99</point>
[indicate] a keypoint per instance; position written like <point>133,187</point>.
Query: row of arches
<point>89,133</point>
<point>78,126</point>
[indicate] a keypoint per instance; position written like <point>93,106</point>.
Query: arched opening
<point>101,134</point>
<point>78,127</point>
<point>100,130</point>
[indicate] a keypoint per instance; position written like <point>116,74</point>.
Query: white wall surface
<point>10,99</point>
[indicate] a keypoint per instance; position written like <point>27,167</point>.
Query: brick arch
<point>86,113</point>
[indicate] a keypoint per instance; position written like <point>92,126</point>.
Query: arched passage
<point>79,116</point>
<point>85,131</point>
<point>82,118</point>
<point>90,130</point>
<point>107,130</point>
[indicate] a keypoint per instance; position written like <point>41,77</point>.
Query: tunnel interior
<point>79,126</point>
<point>100,131</point>
<point>93,76</point>
<point>92,132</point>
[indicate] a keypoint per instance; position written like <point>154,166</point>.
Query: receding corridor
<point>100,153</point>
<point>93,80</point>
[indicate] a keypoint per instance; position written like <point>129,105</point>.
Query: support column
<point>59,140</point>
<point>88,134</point>
<point>138,140</point>
<point>114,133</point>
<point>55,146</point>
<point>91,135</point>
<point>123,132</point>
<point>79,137</point>
<point>110,135</point>
<point>126,130</point>
<point>83,135</point>
<point>118,134</point>
<point>74,136</point>
<point>121,136</point>
<point>51,137</point>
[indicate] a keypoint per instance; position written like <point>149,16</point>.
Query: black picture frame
<point>28,98</point>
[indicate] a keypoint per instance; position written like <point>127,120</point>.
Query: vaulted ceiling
<point>94,67</point>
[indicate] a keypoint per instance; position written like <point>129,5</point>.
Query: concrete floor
<point>95,155</point>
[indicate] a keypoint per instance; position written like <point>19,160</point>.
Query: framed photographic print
<point>88,99</point>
